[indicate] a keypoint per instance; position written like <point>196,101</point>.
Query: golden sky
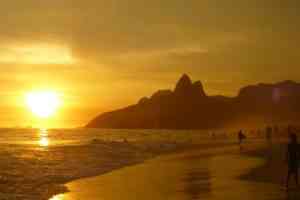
<point>101,55</point>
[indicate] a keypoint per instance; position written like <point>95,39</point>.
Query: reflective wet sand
<point>187,176</point>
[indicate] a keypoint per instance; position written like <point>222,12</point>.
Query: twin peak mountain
<point>188,107</point>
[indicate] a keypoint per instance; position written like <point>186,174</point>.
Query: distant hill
<point>188,107</point>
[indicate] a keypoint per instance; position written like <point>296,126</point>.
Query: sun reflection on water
<point>43,140</point>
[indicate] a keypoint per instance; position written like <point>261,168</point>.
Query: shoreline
<point>48,170</point>
<point>156,151</point>
<point>206,150</point>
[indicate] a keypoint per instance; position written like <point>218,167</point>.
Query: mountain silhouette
<point>188,107</point>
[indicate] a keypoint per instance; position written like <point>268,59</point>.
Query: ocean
<point>35,163</point>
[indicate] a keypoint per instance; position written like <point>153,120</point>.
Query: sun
<point>43,103</point>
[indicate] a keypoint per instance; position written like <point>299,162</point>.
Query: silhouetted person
<point>213,135</point>
<point>288,130</point>
<point>292,158</point>
<point>269,131</point>
<point>241,137</point>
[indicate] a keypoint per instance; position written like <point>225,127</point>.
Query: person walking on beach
<point>213,135</point>
<point>269,132</point>
<point>292,158</point>
<point>241,137</point>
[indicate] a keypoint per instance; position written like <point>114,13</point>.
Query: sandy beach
<point>34,172</point>
<point>219,173</point>
<point>38,173</point>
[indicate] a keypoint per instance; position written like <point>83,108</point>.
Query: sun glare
<point>43,104</point>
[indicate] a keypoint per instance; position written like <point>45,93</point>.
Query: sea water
<point>33,161</point>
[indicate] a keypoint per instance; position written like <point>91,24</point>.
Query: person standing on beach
<point>213,135</point>
<point>292,158</point>
<point>241,137</point>
<point>269,131</point>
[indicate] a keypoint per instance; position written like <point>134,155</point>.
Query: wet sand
<point>220,173</point>
<point>275,168</point>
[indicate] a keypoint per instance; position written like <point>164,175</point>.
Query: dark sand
<point>275,168</point>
